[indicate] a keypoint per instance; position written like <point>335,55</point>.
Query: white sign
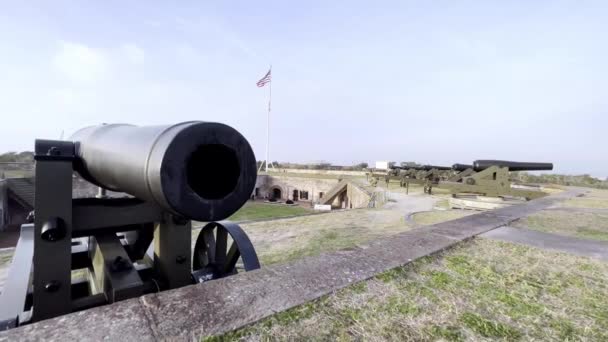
<point>322,207</point>
<point>382,165</point>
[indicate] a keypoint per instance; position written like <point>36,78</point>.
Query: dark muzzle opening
<point>213,171</point>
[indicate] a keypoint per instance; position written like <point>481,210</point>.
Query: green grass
<point>17,173</point>
<point>288,239</point>
<point>594,198</point>
<point>582,202</point>
<point>488,328</point>
<point>582,225</point>
<point>321,242</point>
<point>447,333</point>
<point>285,240</point>
<point>443,204</point>
<point>480,290</point>
<point>257,211</point>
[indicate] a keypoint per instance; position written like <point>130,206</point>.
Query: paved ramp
<point>222,305</point>
<point>408,204</point>
<point>560,243</point>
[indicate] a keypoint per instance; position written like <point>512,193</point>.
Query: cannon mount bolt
<point>53,151</point>
<point>52,286</point>
<point>53,229</point>
<point>180,259</point>
<point>120,264</point>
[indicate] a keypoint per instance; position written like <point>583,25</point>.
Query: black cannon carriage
<point>85,252</point>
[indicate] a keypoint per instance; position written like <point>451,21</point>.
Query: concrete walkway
<point>226,304</point>
<point>560,243</point>
<point>408,204</point>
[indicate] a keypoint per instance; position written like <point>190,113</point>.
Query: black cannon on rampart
<point>461,167</point>
<point>422,167</point>
<point>86,252</point>
<point>491,178</point>
<point>425,175</point>
<point>480,165</point>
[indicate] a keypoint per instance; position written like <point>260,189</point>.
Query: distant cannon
<point>480,165</point>
<point>134,245</point>
<point>425,175</point>
<point>460,171</point>
<point>422,167</point>
<point>484,177</point>
<point>491,178</point>
<point>461,167</point>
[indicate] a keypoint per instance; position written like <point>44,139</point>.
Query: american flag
<point>265,79</point>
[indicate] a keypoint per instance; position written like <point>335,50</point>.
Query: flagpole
<point>268,119</point>
<point>262,82</point>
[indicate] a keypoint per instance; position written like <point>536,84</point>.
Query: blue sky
<point>430,81</point>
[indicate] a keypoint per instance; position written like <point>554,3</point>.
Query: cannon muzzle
<point>480,165</point>
<point>203,171</point>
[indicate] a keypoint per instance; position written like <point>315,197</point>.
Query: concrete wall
<point>260,186</point>
<point>379,198</point>
<point>12,213</point>
<point>16,213</point>
<point>287,184</point>
<point>357,198</point>
<point>354,197</point>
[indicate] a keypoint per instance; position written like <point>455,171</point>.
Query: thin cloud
<point>229,37</point>
<point>133,53</point>
<point>80,63</point>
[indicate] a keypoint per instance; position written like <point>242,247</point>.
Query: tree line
<point>584,180</point>
<point>17,157</point>
<point>317,166</point>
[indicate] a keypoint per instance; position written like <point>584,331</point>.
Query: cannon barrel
<point>203,171</point>
<point>431,167</point>
<point>480,165</point>
<point>461,167</point>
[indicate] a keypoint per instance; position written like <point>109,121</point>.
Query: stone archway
<point>276,193</point>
